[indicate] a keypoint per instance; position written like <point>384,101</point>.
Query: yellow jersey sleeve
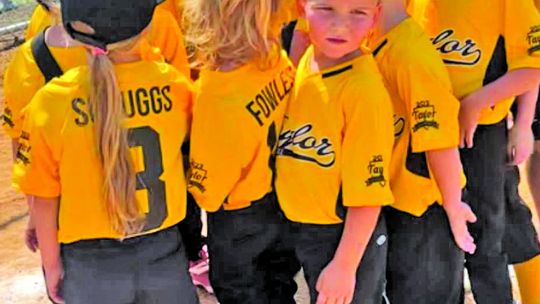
<point>36,170</point>
<point>40,20</point>
<point>522,34</point>
<point>21,82</point>
<point>217,155</point>
<point>166,35</point>
<point>432,108</point>
<point>367,145</point>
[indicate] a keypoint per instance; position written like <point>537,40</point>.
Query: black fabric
<point>424,263</point>
<point>287,34</point>
<point>520,239</point>
<point>191,228</point>
<point>498,65</point>
<point>44,59</point>
<point>251,258</point>
<point>316,245</point>
<point>485,167</point>
<point>416,163</point>
<point>380,47</point>
<point>112,20</point>
<point>146,269</point>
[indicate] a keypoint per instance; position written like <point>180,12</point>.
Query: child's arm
<point>337,281</point>
<point>46,219</point>
<point>521,139</point>
<point>513,83</point>
<point>445,165</point>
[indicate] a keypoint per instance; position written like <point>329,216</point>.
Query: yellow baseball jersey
<point>23,77</point>
<point>287,12</point>
<point>425,113</point>
<point>40,20</point>
<point>481,40</point>
<point>174,7</point>
<point>335,147</point>
<point>58,155</point>
<point>236,120</point>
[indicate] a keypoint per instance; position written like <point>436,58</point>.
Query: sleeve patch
<point>376,171</point>
<point>533,38</point>
<point>197,174</point>
<point>424,116</point>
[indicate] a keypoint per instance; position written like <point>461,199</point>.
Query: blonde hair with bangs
<point>230,32</point>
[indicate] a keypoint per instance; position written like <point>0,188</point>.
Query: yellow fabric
<point>165,34</point>
<point>23,78</point>
<point>302,25</point>
<point>336,139</point>
<point>287,12</point>
<point>174,8</point>
<point>58,156</point>
<point>236,119</point>
<point>528,276</point>
<point>425,113</point>
<point>40,20</point>
<point>466,36</point>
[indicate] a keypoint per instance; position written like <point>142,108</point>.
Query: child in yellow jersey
<point>244,84</point>
<point>427,224</point>
<point>334,154</point>
<point>490,58</point>
<point>24,76</point>
<point>100,154</point>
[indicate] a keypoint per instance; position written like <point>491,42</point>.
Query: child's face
<point>337,27</point>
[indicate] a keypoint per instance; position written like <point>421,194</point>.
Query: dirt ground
<point>20,273</point>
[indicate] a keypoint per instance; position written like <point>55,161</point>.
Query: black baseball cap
<point>112,20</point>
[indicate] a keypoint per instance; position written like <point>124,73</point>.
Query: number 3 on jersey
<point>148,139</point>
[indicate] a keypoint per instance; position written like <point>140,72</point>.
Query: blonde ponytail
<point>113,148</point>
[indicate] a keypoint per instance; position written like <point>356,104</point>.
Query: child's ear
<point>377,15</point>
<point>301,7</point>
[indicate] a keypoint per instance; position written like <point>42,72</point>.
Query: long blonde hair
<point>230,32</point>
<point>119,183</point>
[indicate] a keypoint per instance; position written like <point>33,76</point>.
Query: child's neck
<point>393,13</point>
<point>56,36</point>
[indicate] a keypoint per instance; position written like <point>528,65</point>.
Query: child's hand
<point>53,279</point>
<point>459,215</point>
<point>336,284</point>
<point>520,144</point>
<point>469,114</point>
<point>30,237</point>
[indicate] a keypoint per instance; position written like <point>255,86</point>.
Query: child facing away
<point>244,84</point>
<point>102,163</point>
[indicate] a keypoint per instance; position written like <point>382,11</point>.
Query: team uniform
<point>477,49</point>
<point>425,119</point>
<point>23,78</point>
<point>57,158</point>
<point>234,131</point>
<point>334,152</point>
<point>40,20</point>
